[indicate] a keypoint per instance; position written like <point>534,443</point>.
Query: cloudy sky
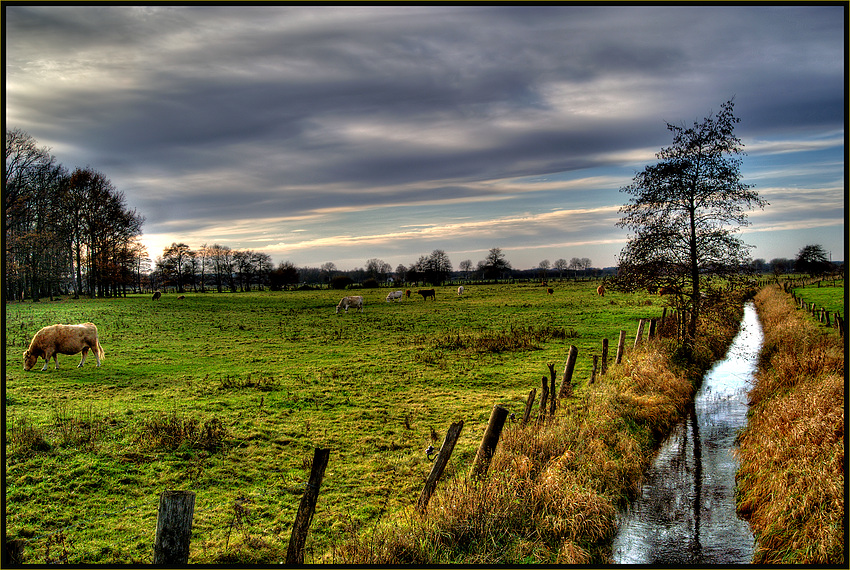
<point>342,134</point>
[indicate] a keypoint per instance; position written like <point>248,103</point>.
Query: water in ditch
<point>686,511</point>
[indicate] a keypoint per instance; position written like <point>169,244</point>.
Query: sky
<point>345,133</point>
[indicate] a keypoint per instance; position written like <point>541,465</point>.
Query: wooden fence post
<point>604,356</point>
<point>544,399</point>
<point>528,404</point>
<point>304,516</point>
<point>593,373</point>
<point>653,325</point>
<point>552,393</point>
<point>639,332</point>
<point>489,442</point>
<point>567,379</point>
<point>174,527</point>
<point>620,346</point>
<point>439,465</point>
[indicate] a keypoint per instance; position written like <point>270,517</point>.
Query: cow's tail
<point>98,348</point>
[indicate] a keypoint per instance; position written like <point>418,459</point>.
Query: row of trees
<point>64,230</point>
<point>218,267</point>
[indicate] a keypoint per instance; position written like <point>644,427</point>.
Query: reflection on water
<point>686,512</point>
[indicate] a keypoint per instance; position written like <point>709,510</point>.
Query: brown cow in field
<point>550,291</point>
<point>600,290</point>
<point>666,291</point>
<point>63,339</point>
<point>156,295</point>
<point>427,293</point>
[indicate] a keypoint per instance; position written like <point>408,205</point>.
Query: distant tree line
<point>65,232</point>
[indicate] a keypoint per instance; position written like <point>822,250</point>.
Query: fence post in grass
<point>528,404</point>
<point>652,327</point>
<point>439,465</point>
<point>174,527</point>
<point>489,442</point>
<point>567,379</point>
<point>552,393</point>
<point>544,398</point>
<point>295,551</point>
<point>663,318</point>
<point>593,373</point>
<point>639,332</point>
<point>604,356</point>
<point>621,344</point>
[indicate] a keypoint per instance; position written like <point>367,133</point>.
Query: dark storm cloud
<point>290,109</point>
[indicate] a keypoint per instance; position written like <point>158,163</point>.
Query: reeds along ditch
<point>791,479</point>
<point>554,488</point>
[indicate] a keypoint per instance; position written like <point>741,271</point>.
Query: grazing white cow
<point>63,339</point>
<point>394,295</point>
<point>355,301</point>
<point>460,290</point>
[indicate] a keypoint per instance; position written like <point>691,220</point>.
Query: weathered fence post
<point>567,379</point>
<point>174,527</point>
<point>489,442</point>
<point>593,373</point>
<point>552,393</point>
<point>653,327</point>
<point>639,332</point>
<point>544,398</point>
<point>528,404</point>
<point>304,516</point>
<point>439,465</point>
<point>663,319</point>
<point>604,356</point>
<point>620,346</point>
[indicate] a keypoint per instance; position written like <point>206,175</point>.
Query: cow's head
<point>29,360</point>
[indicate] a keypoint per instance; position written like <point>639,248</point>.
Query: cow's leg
<point>46,362</point>
<point>83,359</point>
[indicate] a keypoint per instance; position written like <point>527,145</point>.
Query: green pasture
<point>227,395</point>
<point>829,295</point>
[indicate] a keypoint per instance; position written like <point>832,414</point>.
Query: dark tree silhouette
<point>685,211</point>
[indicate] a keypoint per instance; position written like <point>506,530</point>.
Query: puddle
<point>686,511</point>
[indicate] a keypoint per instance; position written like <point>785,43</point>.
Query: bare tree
<point>685,210</point>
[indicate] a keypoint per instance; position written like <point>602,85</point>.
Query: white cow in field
<point>460,290</point>
<point>63,339</point>
<point>395,295</point>
<point>355,301</point>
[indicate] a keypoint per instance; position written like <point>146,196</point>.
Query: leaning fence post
<point>295,551</point>
<point>439,465</point>
<point>639,332</point>
<point>528,405</point>
<point>620,345</point>
<point>174,527</point>
<point>489,442</point>
<point>567,380</point>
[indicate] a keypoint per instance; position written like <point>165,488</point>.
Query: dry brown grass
<point>791,480</point>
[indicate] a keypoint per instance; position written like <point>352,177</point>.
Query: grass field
<point>227,395</point>
<point>830,295</point>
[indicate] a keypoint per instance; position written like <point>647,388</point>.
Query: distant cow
<point>407,293</point>
<point>63,339</point>
<point>394,295</point>
<point>427,293</point>
<point>156,295</point>
<point>666,291</point>
<point>600,290</point>
<point>460,290</point>
<point>355,301</point>
<point>550,291</point>
<point>181,297</point>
